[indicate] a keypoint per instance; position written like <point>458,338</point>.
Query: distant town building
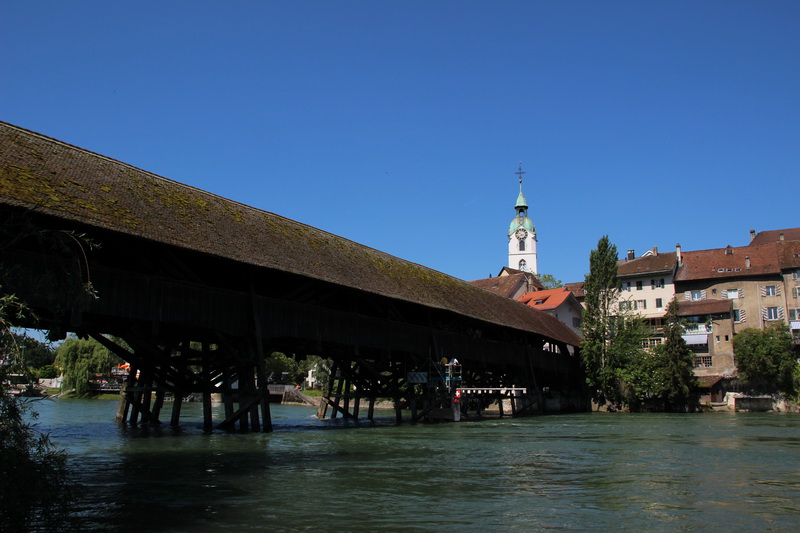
<point>510,283</point>
<point>560,303</point>
<point>522,237</point>
<point>720,292</point>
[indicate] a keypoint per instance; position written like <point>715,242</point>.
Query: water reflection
<point>576,472</point>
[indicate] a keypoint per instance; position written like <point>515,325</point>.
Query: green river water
<point>586,472</point>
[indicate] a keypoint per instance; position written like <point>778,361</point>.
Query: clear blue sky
<point>399,125</point>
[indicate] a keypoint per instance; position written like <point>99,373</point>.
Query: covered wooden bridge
<point>195,291</point>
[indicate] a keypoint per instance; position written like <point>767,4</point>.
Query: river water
<point>585,472</point>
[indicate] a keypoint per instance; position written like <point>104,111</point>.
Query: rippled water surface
<point>588,472</point>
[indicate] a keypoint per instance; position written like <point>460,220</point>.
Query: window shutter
<point>724,294</point>
<point>687,295</point>
<point>741,293</point>
<point>777,290</point>
<point>703,294</point>
<point>781,313</point>
<point>763,291</point>
<point>742,316</point>
<point>764,313</point>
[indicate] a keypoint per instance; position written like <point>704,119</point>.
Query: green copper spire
<point>521,220</point>
<point>521,202</point>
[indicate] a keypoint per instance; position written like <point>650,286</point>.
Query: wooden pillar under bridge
<point>126,395</point>
<point>177,403</point>
<point>208,425</point>
<point>263,389</point>
<point>227,392</point>
<point>159,403</point>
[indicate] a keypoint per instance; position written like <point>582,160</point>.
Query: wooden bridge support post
<point>227,392</point>
<point>263,388</point>
<point>159,403</point>
<point>208,425</point>
<point>177,402</point>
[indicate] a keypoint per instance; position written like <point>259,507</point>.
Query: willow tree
<point>80,360</point>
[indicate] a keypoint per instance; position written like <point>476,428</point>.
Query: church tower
<point>522,235</point>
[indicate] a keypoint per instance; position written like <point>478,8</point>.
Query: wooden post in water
<point>263,389</point>
<point>208,425</point>
<point>177,400</point>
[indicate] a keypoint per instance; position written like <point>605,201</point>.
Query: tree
<point>765,358</point>
<point>278,363</point>
<point>601,288</point>
<point>35,354</point>
<point>549,281</point>
<point>80,360</point>
<point>675,363</point>
<point>612,335</point>
<point>33,475</point>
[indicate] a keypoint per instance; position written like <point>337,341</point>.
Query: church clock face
<point>521,233</point>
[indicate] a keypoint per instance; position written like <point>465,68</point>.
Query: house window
<point>627,305</point>
<point>769,290</point>
<point>796,273</point>
<point>626,285</point>
<point>737,315</point>
<point>770,313</point>
<point>641,304</point>
<point>657,283</point>
<point>794,314</point>
<point>576,322</point>
<point>639,285</point>
<point>796,292</point>
<point>703,361</point>
<point>732,294</point>
<point>521,246</point>
<point>659,303</point>
<point>523,265</point>
<point>697,295</point>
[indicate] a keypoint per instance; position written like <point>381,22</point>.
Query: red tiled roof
<point>704,307</point>
<point>510,283</point>
<point>547,299</point>
<point>577,289</point>
<point>789,254</point>
<point>663,262</point>
<point>729,262</point>
<point>774,235</point>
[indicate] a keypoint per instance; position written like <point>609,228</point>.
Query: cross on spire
<point>520,172</point>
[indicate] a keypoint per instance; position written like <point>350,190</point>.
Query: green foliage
<point>612,339</point>
<point>47,372</point>
<point>676,363</point>
<point>549,281</point>
<point>33,476</point>
<point>765,358</point>
<point>278,363</point>
<point>34,354</point>
<point>618,368</point>
<point>33,473</point>
<point>80,360</point>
